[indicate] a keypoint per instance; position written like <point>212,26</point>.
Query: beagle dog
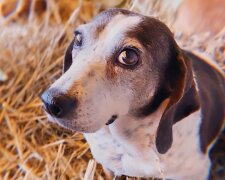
<point>146,107</point>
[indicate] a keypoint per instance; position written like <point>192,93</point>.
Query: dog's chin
<point>79,128</point>
<point>70,126</point>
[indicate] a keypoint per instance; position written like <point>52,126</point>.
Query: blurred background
<point>33,37</point>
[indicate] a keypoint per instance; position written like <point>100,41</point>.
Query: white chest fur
<point>128,147</point>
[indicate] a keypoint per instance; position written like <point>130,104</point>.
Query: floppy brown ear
<point>183,101</point>
<point>68,57</point>
<point>211,85</point>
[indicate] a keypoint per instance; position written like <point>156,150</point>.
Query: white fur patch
<point>135,154</point>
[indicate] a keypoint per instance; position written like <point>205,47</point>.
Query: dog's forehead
<point>104,18</point>
<point>113,22</point>
<point>115,26</point>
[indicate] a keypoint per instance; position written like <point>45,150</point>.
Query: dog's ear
<point>68,57</point>
<point>211,86</point>
<point>183,100</point>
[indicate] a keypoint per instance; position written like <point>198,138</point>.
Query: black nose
<point>57,104</point>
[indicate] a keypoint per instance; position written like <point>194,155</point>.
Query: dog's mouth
<point>111,120</point>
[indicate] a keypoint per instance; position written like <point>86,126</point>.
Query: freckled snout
<point>57,104</point>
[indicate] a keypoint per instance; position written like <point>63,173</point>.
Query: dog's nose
<point>57,104</point>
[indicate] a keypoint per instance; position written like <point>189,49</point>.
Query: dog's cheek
<point>142,88</point>
<point>120,98</point>
<point>111,73</point>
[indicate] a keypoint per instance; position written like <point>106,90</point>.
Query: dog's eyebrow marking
<point>99,29</point>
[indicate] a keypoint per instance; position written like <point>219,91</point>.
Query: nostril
<point>55,110</point>
<point>57,104</point>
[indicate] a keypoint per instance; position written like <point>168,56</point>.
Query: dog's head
<point>121,63</point>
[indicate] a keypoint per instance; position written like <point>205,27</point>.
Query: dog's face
<point>126,64</point>
<point>116,65</point>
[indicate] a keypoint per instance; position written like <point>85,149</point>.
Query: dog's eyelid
<point>77,32</point>
<point>129,46</point>
<point>118,50</point>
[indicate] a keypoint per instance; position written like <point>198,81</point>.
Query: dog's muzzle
<point>57,104</point>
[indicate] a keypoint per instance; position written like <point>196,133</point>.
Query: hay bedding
<point>31,54</point>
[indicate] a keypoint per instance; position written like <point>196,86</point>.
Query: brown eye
<point>77,39</point>
<point>128,57</point>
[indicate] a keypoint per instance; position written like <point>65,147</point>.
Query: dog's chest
<point>126,148</point>
<point>129,149</point>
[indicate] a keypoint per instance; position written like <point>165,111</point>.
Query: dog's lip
<point>111,120</point>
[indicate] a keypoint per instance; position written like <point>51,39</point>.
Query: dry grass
<point>31,54</point>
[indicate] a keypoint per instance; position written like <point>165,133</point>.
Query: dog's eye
<point>128,57</point>
<point>77,38</point>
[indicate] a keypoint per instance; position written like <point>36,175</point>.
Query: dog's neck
<point>139,132</point>
<point>135,138</point>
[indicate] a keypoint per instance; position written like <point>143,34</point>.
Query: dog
<point>146,107</point>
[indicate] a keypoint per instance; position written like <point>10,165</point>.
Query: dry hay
<point>31,55</point>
